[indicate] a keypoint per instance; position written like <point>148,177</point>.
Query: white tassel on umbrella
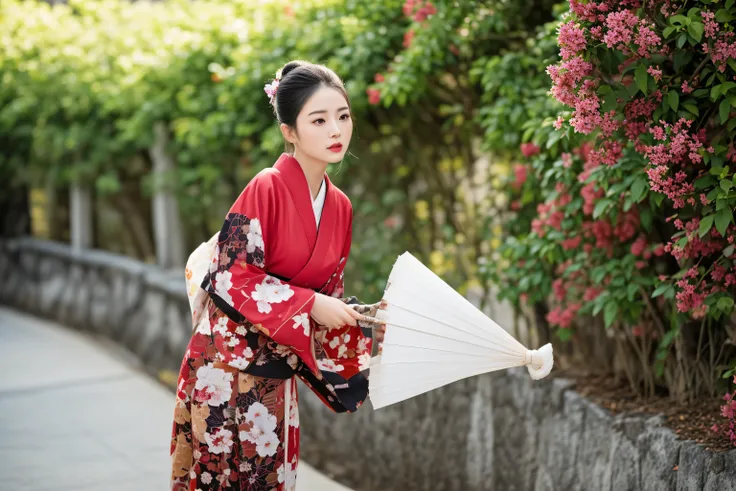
<point>434,336</point>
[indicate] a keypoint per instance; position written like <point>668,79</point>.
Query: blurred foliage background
<point>85,82</point>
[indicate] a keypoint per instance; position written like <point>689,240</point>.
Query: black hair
<point>298,81</point>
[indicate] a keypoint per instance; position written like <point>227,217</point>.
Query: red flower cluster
<point>671,161</point>
<point>694,288</point>
<point>728,411</point>
<point>419,10</point>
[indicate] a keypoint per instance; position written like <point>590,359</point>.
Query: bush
<point>635,216</point>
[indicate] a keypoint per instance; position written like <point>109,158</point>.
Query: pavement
<point>78,413</point>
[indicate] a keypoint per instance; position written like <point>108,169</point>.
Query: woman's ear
<point>288,133</point>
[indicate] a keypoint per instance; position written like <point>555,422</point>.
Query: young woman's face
<point>324,127</point>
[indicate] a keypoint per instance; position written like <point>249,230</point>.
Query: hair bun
<point>291,66</point>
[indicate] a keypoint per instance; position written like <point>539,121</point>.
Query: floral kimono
<point>236,421</point>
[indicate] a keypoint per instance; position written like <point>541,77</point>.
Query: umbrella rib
<point>439,335</point>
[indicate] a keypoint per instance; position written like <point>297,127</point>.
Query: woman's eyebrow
<point>325,110</point>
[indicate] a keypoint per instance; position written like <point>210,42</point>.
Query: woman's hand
<point>333,313</point>
<point>378,326</point>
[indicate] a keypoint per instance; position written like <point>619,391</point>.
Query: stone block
<point>691,468</point>
<point>659,450</point>
<point>720,472</point>
<point>594,459</point>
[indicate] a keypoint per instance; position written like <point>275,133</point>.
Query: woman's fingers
<point>350,316</point>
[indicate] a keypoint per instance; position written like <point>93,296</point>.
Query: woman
<point>268,309</point>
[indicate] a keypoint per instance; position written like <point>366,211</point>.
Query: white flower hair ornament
<point>270,90</point>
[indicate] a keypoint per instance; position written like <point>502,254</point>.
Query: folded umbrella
<point>435,336</point>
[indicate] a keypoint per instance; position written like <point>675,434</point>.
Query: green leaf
<point>598,275</point>
<point>661,289</point>
<point>600,207</point>
<point>728,250</point>
<point>681,59</point>
<point>723,218</point>
<point>669,337</point>
<point>725,304</point>
<point>696,30</point>
<point>609,314</point>
<point>724,110</point>
<point>678,20</point>
<point>682,39</point>
<point>723,15</point>
<point>673,98</point>
<point>641,77</point>
<point>564,334</point>
<point>726,184</point>
<point>705,182</point>
<point>646,218</point>
<point>668,30</point>
<point>715,92</point>
<point>692,108</point>
<point>638,189</point>
<point>705,225</point>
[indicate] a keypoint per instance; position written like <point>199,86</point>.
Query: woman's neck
<point>314,170</point>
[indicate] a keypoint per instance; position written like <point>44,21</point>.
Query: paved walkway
<point>76,414</point>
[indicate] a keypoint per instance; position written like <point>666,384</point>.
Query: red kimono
<point>236,422</point>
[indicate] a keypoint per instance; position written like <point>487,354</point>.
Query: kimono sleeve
<point>239,285</point>
<point>342,354</point>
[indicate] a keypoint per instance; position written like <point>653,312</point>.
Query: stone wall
<point>138,305</point>
<point>494,432</point>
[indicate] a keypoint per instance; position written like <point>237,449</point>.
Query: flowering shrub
<point>629,208</point>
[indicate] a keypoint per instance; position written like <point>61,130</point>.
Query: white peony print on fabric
<point>255,239</point>
<point>287,474</point>
<point>214,385</point>
<point>271,290</point>
<point>224,283</point>
<point>219,441</point>
<point>301,320</point>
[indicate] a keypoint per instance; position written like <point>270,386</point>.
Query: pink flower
<point>408,38</point>
<point>591,293</point>
<point>655,72</point>
<point>571,243</point>
<point>520,176</point>
<point>529,149</point>
<point>639,246</point>
<point>590,195</point>
<point>270,90</point>
<point>374,96</point>
<point>646,39</point>
<point>425,12</point>
<point>571,39</point>
<point>709,23</point>
<point>620,28</point>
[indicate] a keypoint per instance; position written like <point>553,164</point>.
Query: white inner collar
<point>319,202</point>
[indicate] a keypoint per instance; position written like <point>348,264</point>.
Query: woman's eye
<point>319,121</point>
<point>345,117</point>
